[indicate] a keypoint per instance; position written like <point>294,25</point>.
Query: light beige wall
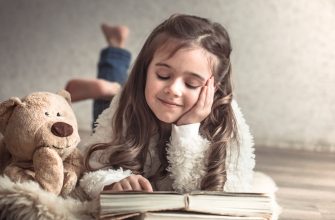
<point>283,58</point>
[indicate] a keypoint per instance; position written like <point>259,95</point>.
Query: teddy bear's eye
<point>58,114</point>
<point>46,113</point>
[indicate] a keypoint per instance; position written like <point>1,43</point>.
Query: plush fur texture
<point>186,164</point>
<point>40,137</point>
<point>26,201</point>
<point>93,182</point>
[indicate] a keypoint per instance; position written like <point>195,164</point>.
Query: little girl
<point>174,126</point>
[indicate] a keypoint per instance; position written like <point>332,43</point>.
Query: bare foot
<point>81,89</point>
<point>116,36</point>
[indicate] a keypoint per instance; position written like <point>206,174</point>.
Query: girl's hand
<point>202,108</point>
<point>131,183</point>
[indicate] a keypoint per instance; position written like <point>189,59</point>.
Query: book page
<point>189,216</point>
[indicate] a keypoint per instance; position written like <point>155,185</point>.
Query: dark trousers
<point>113,66</point>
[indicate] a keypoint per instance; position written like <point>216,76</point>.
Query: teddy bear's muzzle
<point>61,129</point>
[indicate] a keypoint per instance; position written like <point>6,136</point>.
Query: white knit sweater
<point>186,154</point>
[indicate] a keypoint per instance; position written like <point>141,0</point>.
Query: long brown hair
<point>133,123</point>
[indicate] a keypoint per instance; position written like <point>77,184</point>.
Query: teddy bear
<point>39,141</point>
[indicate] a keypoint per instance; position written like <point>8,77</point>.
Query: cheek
<point>150,88</point>
<point>191,99</point>
<point>147,92</point>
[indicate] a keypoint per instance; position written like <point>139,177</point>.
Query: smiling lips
<point>169,104</point>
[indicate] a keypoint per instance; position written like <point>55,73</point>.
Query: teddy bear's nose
<point>61,129</point>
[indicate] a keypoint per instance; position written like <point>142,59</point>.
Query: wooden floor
<point>306,181</point>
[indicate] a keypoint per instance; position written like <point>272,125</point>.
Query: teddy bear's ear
<point>65,94</point>
<point>6,110</point>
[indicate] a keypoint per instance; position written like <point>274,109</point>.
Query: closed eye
<point>191,86</point>
<point>162,77</point>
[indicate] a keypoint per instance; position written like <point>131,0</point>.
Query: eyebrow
<point>191,73</point>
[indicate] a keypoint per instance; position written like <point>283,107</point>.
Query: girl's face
<point>174,83</point>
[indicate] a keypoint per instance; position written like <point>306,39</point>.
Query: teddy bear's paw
<point>48,169</point>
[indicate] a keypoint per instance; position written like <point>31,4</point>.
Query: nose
<point>61,129</point>
<point>174,88</point>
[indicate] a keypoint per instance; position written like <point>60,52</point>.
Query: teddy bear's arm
<point>49,170</point>
<point>73,168</point>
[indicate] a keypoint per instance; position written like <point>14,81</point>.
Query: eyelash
<point>163,77</point>
<point>167,77</point>
<point>192,87</point>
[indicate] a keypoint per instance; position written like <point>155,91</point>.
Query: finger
<point>117,187</point>
<point>126,185</point>
<point>145,184</point>
<point>108,187</point>
<point>202,97</point>
<point>210,93</point>
<point>212,83</point>
<point>135,185</point>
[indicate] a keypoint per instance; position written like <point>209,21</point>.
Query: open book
<point>120,205</point>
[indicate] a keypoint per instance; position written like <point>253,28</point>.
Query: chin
<point>168,120</point>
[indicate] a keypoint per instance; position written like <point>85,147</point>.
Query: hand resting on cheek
<point>203,106</point>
